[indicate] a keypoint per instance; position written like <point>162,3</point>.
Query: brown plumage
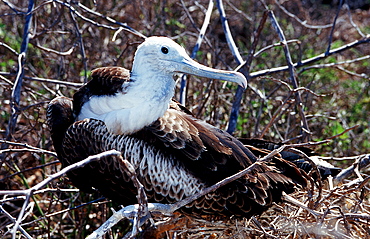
<point>175,156</point>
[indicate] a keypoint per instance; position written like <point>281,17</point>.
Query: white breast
<point>128,112</point>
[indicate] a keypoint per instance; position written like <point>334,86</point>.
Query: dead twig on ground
<point>29,192</point>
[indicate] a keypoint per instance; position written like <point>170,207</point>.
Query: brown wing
<point>210,153</point>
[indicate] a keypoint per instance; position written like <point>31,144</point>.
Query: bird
<point>174,154</point>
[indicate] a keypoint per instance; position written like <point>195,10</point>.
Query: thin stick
<point>82,45</point>
<point>201,35</point>
<point>245,70</point>
<point>333,27</point>
<point>9,48</point>
<point>24,232</point>
<point>303,23</point>
<point>226,28</point>
<point>308,61</point>
<point>275,45</point>
<point>318,66</point>
<point>60,53</point>
<point>29,192</point>
<point>17,87</point>
<point>363,161</point>
<point>229,179</point>
<point>122,25</point>
<point>305,129</point>
<point>238,58</point>
<point>352,22</point>
<point>53,81</point>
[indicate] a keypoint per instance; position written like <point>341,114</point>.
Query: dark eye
<point>164,50</point>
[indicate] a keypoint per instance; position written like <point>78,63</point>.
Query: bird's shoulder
<point>198,144</point>
<point>103,81</point>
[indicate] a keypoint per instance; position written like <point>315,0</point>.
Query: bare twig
<point>294,201</point>
<point>362,75</point>
<point>130,211</point>
<point>229,179</point>
<point>363,161</point>
<point>122,25</point>
<point>29,150</point>
<point>202,32</point>
<point>238,58</point>
<point>14,8</point>
<point>305,129</point>
<point>30,169</point>
<point>239,11</point>
<point>9,48</point>
<point>344,131</point>
<point>81,43</point>
<point>65,53</point>
<point>229,38</point>
<point>62,172</point>
<point>275,45</point>
<point>29,192</point>
<point>350,45</point>
<point>277,113</point>
<point>53,81</point>
<point>16,92</point>
<point>336,64</point>
<point>303,23</point>
<point>24,232</point>
<point>83,17</point>
<point>245,69</point>
<point>333,27</point>
<point>351,20</point>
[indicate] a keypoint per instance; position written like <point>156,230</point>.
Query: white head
<point>166,56</point>
<point>146,97</point>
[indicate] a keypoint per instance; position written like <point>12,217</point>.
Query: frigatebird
<point>174,154</point>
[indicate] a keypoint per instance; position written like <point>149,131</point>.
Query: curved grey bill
<point>191,67</point>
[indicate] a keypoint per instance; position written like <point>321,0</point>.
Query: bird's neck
<point>140,104</point>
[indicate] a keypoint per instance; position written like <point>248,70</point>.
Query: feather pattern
<point>174,157</point>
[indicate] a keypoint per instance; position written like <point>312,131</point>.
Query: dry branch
<point>239,59</point>
<point>202,32</point>
<point>16,92</point>
<point>24,232</point>
<point>361,162</point>
<point>304,23</point>
<point>52,81</point>
<point>292,73</point>
<point>29,192</point>
<point>365,40</point>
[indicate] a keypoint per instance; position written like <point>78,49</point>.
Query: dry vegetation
<point>69,38</point>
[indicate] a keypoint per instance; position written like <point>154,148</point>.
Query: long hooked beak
<point>189,66</point>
